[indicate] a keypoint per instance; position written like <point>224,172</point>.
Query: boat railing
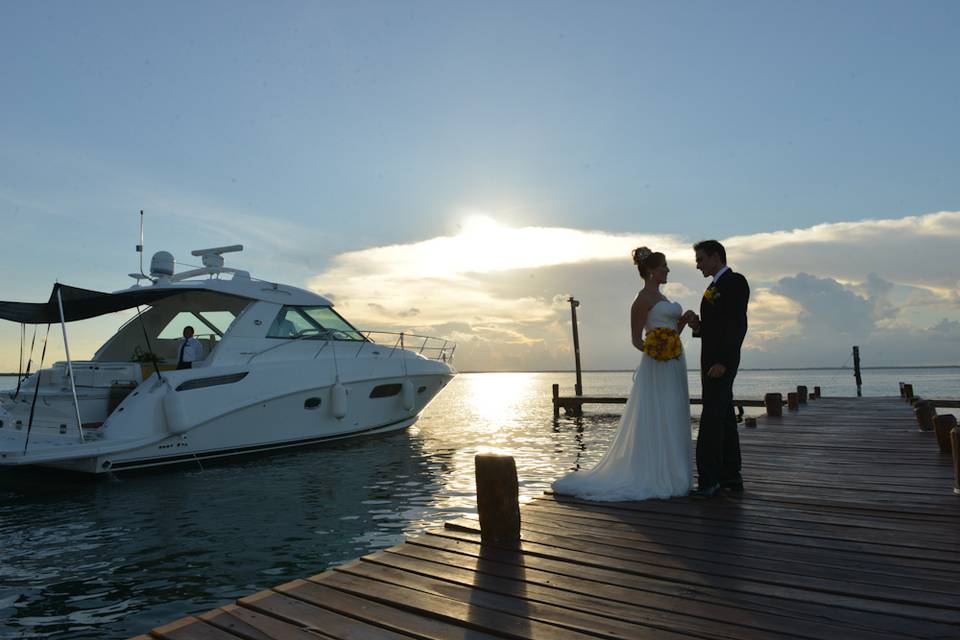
<point>429,347</point>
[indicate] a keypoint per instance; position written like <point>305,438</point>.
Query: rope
<point>36,391</point>
<point>146,338</point>
<point>29,359</point>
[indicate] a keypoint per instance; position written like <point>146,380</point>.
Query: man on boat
<point>190,349</point>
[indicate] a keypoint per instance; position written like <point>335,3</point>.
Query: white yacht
<point>280,368</point>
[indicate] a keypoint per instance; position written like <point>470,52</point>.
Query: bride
<point>650,456</point>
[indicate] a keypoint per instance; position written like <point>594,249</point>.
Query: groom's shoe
<point>707,491</point>
<point>734,485</point>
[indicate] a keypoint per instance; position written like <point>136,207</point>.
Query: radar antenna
<point>213,258</point>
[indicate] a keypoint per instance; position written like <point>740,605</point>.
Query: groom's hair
<point>711,248</point>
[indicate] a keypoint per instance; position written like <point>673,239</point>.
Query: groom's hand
<point>691,318</point>
<point>716,371</point>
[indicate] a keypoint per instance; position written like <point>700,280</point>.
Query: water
<point>113,557</point>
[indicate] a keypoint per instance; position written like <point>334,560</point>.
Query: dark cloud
<point>827,305</point>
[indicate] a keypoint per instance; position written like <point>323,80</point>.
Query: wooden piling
<point>955,449</point>
<point>907,391</point>
<point>942,426</point>
<point>498,499</point>
<point>774,404</point>
<point>802,394</point>
<point>925,412</point>
<point>750,422</point>
<point>902,394</point>
<point>793,401</point>
<point>556,401</point>
<point>816,392</point>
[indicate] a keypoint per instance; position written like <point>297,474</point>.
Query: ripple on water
<point>113,557</point>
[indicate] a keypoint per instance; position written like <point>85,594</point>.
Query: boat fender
<point>409,394</point>
<point>174,412</point>
<point>338,400</point>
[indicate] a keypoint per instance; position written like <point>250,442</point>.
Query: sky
<point>462,168</point>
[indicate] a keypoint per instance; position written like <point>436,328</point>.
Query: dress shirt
<point>191,350</point>
<point>722,271</point>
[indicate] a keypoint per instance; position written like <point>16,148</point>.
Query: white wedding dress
<point>650,456</point>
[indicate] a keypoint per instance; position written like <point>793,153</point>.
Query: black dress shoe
<point>707,491</point>
<point>733,487</point>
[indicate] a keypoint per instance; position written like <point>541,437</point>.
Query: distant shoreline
<point>850,369</point>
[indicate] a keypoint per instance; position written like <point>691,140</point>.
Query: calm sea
<point>113,557</point>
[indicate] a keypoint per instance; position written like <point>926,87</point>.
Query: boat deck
<point>848,528</point>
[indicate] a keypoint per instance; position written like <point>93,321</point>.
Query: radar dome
<point>161,264</point>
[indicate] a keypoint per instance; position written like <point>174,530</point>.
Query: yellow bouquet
<point>662,344</point>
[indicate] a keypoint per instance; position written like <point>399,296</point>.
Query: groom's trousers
<point>718,444</point>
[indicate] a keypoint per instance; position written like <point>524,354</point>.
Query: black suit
<point>723,325</point>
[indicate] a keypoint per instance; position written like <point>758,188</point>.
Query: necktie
<point>182,347</point>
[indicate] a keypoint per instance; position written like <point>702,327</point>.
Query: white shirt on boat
<point>191,350</point>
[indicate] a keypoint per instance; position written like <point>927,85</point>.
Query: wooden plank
<point>845,530</point>
<point>190,628</point>
<point>600,596</point>
<point>313,617</point>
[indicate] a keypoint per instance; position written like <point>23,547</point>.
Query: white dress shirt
<point>192,349</point>
<point>722,271</point>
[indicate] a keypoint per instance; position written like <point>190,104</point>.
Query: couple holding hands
<point>650,455</point>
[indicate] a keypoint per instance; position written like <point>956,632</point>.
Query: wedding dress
<point>650,456</point>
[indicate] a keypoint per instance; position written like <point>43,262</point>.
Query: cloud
<point>502,291</point>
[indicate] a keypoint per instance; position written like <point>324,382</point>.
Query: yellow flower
<point>662,344</point>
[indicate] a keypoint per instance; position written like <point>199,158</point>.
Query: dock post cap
<point>498,498</point>
<point>925,412</point>
<point>942,426</point>
<point>774,404</point>
<point>793,401</point>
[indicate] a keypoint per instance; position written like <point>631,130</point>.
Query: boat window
<point>385,390</point>
<point>206,323</point>
<point>312,323</point>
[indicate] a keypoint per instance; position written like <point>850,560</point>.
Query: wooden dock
<point>848,528</point>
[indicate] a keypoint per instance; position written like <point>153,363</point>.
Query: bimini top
<point>81,304</point>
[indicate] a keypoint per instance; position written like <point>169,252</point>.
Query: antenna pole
<point>140,246</point>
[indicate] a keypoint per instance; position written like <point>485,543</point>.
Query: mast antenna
<point>140,246</point>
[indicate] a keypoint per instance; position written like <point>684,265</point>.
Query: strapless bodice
<point>664,314</point>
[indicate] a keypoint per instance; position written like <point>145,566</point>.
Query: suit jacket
<point>723,321</point>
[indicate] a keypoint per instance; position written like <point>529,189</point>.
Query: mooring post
<point>498,499</point>
<point>942,426</point>
<point>556,401</point>
<point>955,449</point>
<point>578,388</point>
<point>907,391</point>
<point>793,401</point>
<point>750,422</point>
<point>816,392</point>
<point>856,369</point>
<point>774,404</point>
<point>925,412</point>
<point>802,394</point>
<point>902,394</point>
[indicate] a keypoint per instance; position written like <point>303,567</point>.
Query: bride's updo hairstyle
<point>647,260</point>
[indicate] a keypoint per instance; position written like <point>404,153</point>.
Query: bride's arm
<point>638,320</point>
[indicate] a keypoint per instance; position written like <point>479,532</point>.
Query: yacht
<point>280,368</point>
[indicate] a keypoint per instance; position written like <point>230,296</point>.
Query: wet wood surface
<point>848,528</point>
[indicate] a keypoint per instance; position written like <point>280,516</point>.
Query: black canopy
<point>80,304</point>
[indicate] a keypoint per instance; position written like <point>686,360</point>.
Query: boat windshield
<point>157,332</point>
<point>312,323</point>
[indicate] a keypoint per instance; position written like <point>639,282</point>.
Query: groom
<point>721,326</point>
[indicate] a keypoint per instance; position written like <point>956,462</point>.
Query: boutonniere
<point>711,294</point>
